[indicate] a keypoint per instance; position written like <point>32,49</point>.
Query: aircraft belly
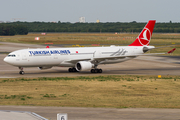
<point>66,65</point>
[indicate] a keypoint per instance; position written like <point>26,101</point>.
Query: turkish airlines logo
<point>145,36</point>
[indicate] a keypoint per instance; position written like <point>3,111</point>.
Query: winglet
<point>171,51</point>
<point>47,46</point>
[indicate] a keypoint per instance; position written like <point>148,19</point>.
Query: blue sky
<point>104,10</point>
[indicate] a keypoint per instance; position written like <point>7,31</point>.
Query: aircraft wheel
<point>70,69</point>
<point>92,71</point>
<point>21,72</point>
<point>74,70</point>
<point>96,71</point>
<point>99,70</point>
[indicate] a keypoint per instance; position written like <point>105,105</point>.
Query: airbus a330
<point>82,58</point>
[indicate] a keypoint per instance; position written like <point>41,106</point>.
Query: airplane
<point>82,58</point>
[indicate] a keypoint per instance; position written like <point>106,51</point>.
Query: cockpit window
<point>12,55</point>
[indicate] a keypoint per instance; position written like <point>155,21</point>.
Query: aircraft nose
<point>6,60</point>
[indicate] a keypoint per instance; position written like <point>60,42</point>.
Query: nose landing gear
<point>21,71</point>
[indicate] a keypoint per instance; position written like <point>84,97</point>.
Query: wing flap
<point>77,60</point>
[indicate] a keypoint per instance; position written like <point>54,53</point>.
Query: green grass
<point>91,38</point>
<point>125,91</point>
<point>97,39</point>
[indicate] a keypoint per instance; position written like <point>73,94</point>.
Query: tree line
<point>25,27</point>
<point>11,29</point>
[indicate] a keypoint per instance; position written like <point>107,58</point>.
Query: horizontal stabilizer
<point>171,51</point>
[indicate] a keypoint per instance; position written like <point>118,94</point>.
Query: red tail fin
<point>145,35</point>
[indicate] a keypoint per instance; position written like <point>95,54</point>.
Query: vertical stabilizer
<point>145,36</point>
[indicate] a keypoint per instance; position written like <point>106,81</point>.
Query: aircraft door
<point>97,53</point>
<point>55,56</point>
<point>24,56</point>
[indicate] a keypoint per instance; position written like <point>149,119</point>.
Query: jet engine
<point>83,66</point>
<point>46,67</point>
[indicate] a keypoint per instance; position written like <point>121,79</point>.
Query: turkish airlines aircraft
<point>82,59</point>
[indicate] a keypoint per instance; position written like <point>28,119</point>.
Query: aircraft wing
<point>99,59</point>
<point>149,54</point>
<point>171,51</point>
<point>77,60</point>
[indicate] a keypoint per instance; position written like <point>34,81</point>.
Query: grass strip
<point>125,91</point>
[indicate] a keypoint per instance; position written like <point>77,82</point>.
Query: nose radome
<point>5,59</point>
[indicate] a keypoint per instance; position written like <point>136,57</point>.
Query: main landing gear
<point>92,70</point>
<point>72,70</point>
<point>96,70</point>
<point>21,71</point>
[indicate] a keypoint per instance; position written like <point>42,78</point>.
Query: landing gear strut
<point>72,70</point>
<point>96,70</point>
<point>21,71</point>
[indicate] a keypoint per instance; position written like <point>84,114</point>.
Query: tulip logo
<point>145,37</point>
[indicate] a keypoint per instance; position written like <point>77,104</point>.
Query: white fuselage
<point>67,57</point>
<point>82,58</point>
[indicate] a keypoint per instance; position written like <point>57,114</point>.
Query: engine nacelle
<point>83,66</point>
<point>46,67</point>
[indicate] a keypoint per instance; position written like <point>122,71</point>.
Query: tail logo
<point>145,37</point>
